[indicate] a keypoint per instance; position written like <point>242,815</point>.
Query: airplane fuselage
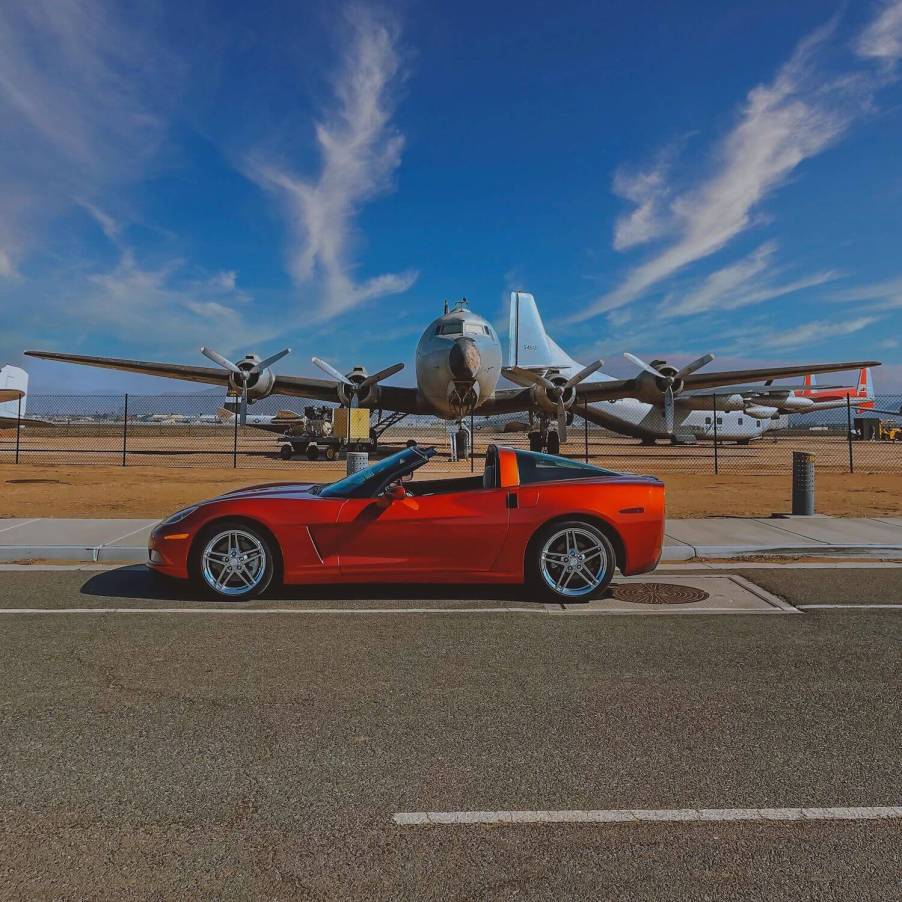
<point>458,364</point>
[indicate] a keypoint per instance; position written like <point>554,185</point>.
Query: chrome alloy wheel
<point>233,562</point>
<point>573,562</point>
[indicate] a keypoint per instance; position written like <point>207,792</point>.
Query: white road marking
<point>17,525</point>
<point>494,610</point>
<point>139,529</point>
<point>866,607</point>
<point>637,815</point>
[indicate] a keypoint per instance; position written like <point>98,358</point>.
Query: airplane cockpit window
<point>475,329</point>
<point>536,467</point>
<point>454,327</point>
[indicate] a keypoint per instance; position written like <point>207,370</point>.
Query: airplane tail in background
<point>866,387</point>
<point>13,380</point>
<point>529,345</point>
<point>809,383</point>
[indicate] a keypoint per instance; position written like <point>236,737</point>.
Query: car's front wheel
<point>571,560</point>
<point>233,560</point>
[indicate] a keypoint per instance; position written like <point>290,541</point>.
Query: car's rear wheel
<point>571,560</point>
<point>233,560</point>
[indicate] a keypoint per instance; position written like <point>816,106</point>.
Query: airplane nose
<point>464,360</point>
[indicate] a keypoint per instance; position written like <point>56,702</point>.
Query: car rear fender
<point>607,528</point>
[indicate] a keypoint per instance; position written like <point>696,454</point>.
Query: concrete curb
<point>92,554</point>
<point>131,554</point>
<point>713,552</point>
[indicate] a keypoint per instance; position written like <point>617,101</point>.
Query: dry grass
<point>79,491</point>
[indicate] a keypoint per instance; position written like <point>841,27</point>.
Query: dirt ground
<point>28,490</point>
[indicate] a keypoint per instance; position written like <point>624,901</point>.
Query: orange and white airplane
<point>861,396</point>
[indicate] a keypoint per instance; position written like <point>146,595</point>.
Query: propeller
<point>669,379</point>
<point>555,393</point>
<point>244,374</point>
<point>357,386</point>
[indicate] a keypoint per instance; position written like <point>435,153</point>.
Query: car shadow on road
<point>139,583</point>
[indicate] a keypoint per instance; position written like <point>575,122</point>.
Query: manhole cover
<point>657,593</point>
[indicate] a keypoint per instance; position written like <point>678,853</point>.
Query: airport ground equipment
<point>558,525</point>
<point>889,432</point>
<point>328,433</point>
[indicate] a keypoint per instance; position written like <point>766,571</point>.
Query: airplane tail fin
<point>13,379</point>
<point>866,387</point>
<point>809,382</point>
<point>529,345</point>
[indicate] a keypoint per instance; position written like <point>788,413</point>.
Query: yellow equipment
<point>888,431</point>
<point>351,424</point>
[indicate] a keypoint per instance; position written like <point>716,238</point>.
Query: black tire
<point>410,443</point>
<point>554,443</point>
<point>286,452</point>
<point>535,441</point>
<point>536,581</point>
<point>233,590</point>
<point>312,452</point>
<point>331,452</point>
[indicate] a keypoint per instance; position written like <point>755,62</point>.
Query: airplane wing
<point>397,398</point>
<point>10,422</point>
<point>11,394</point>
<point>626,388</point>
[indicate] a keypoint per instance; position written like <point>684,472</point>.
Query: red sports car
<point>555,524</point>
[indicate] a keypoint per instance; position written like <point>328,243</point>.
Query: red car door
<point>442,535</point>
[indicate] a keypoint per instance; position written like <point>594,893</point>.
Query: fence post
<point>125,429</point>
<point>472,442</point>
<point>586,428</point>
<point>714,418</point>
<point>18,426</point>
<point>849,432</point>
<point>235,441</point>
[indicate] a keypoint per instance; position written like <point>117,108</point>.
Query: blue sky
<point>668,179</point>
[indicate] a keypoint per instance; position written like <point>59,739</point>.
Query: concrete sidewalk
<point>115,541</point>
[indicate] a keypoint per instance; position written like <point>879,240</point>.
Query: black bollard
<point>802,484</point>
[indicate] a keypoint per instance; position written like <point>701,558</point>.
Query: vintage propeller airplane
<point>458,367</point>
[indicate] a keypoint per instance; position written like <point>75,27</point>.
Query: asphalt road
<point>203,755</point>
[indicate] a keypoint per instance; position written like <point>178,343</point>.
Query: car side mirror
<point>395,492</point>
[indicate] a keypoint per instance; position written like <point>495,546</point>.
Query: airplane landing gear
<point>545,441</point>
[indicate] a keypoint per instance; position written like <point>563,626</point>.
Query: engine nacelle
<point>259,385</point>
<point>795,403</point>
<point>651,389</point>
<point>547,404</point>
<point>761,413</point>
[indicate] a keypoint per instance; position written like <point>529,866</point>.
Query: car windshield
<point>366,483</point>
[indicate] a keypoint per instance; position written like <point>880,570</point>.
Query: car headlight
<point>178,516</point>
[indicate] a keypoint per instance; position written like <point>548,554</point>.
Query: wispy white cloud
<point>882,39</point>
<point>360,150</point>
<point>649,192</point>
<point>750,280</point>
<point>877,295</point>
<point>813,332</point>
<point>84,89</point>
<point>796,116</point>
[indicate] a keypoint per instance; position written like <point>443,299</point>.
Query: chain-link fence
<point>198,431</point>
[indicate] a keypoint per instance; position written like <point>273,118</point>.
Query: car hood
<point>270,490</point>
